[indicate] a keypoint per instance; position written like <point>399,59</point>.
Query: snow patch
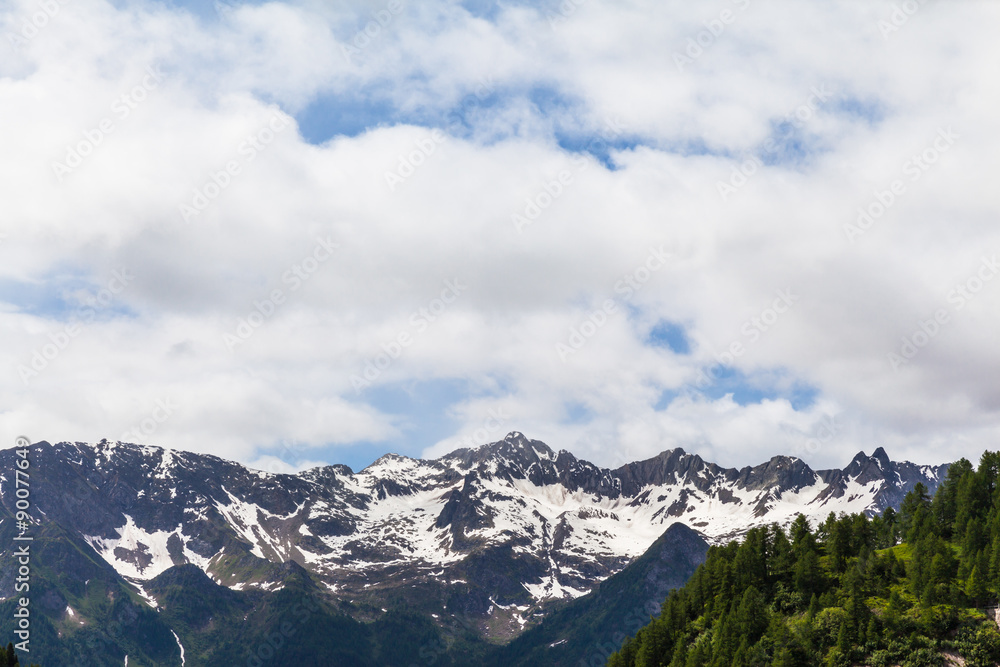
<point>141,554</point>
<point>181,646</point>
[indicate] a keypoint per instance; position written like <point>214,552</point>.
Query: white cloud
<point>196,280</point>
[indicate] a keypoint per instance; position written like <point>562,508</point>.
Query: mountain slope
<point>487,538</point>
<point>589,629</point>
<point>917,588</point>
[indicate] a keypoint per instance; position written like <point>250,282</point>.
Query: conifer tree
<point>726,640</point>
<point>889,528</point>
<point>945,502</point>
<point>680,654</point>
<point>752,616</point>
<point>914,501</point>
<point>808,577</point>
<point>814,607</point>
<point>975,587</point>
<point>872,633</point>
<point>845,642</point>
<point>801,532</point>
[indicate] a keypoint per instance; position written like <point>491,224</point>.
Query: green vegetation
<point>847,592</point>
<point>8,657</point>
<point>588,629</point>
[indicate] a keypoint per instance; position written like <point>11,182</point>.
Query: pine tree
<point>945,504</point>
<point>814,607</point>
<point>680,654</point>
<point>782,560</point>
<point>808,576</point>
<point>801,532</point>
<point>913,503</point>
<point>699,655</point>
<point>871,632</point>
<point>839,544</point>
<point>896,603</point>
<point>752,616</point>
<point>889,524</point>
<point>750,563</point>
<point>742,657</point>
<point>726,640</point>
<point>845,642</point>
<point>975,539</point>
<point>975,587</point>
<point>927,595</point>
<point>995,563</point>
<point>655,642</point>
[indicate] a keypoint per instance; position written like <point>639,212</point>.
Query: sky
<point>301,233</point>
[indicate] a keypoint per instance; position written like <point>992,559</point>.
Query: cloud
<point>296,217</point>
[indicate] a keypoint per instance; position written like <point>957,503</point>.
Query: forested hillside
<point>911,588</point>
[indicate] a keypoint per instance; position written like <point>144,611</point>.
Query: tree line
<point>901,588</point>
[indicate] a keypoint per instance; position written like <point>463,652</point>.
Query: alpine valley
<point>505,554</point>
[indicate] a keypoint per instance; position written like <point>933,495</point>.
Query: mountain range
<point>500,547</point>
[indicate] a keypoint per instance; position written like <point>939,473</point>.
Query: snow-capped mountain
<point>490,533</point>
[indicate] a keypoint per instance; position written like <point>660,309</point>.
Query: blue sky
<point>483,217</point>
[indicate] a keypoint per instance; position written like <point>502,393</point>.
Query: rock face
<point>587,630</point>
<point>492,533</point>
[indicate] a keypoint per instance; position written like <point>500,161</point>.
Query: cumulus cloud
<point>417,227</point>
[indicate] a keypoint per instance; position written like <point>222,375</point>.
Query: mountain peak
<point>883,458</point>
<point>864,469</point>
<point>860,457</point>
<point>514,449</point>
<point>783,472</point>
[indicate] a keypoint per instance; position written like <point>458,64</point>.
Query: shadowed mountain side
<point>589,629</point>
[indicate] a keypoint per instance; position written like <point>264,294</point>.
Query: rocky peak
<point>784,472</point>
<point>882,458</point>
<point>864,469</point>
<point>514,452</point>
